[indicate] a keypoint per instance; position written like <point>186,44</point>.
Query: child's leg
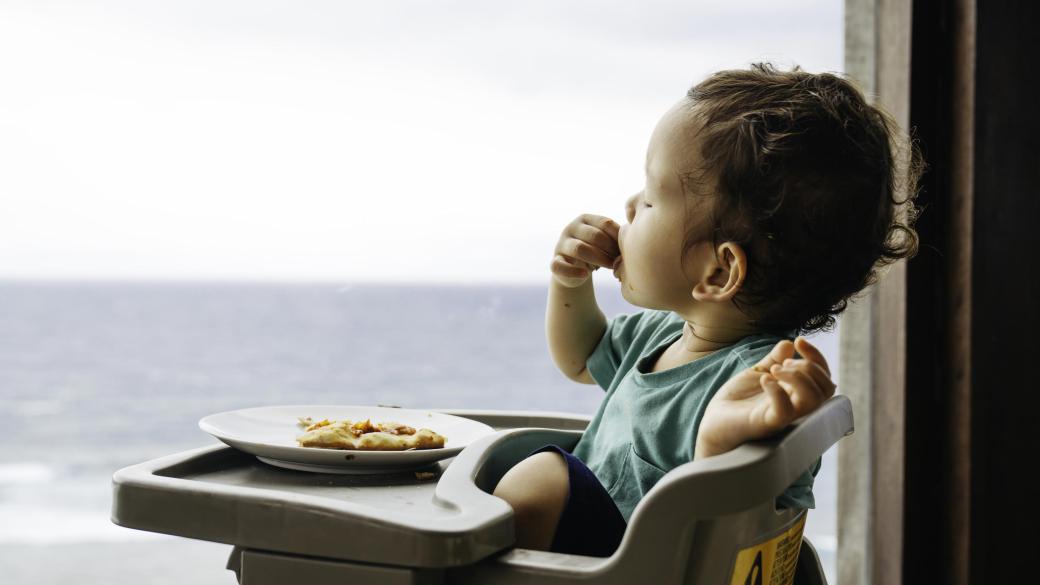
<point>537,489</point>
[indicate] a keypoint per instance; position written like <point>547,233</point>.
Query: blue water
<point>98,376</point>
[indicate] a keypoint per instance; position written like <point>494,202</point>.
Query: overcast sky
<point>384,141</point>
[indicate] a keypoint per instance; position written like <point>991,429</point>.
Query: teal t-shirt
<point>647,423</point>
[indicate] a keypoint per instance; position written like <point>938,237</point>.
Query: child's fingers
<point>800,374</point>
<point>816,371</point>
<point>589,241</point>
<point>780,352</point>
<point>604,236</point>
<point>805,394</point>
<point>575,249</point>
<point>611,227</point>
<point>809,352</point>
<point>781,408</point>
<point>598,231</point>
<point>569,267</point>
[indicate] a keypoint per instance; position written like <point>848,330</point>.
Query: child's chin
<point>626,293</point>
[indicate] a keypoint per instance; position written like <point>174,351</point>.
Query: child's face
<point>653,272</point>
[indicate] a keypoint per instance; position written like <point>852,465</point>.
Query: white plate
<point>270,432</point>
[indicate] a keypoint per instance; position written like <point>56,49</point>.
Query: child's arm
<point>574,323</point>
<point>762,400</point>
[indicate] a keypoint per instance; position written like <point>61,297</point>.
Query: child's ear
<point>723,276</point>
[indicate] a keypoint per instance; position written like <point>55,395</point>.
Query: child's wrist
<point>705,448</point>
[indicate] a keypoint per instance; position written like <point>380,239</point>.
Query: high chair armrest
<point>753,473</point>
<point>688,523</point>
<point>475,472</point>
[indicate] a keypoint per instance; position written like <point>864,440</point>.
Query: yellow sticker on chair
<point>771,562</point>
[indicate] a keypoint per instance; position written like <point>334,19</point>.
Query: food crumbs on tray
<point>424,475</point>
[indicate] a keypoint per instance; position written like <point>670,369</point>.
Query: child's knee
<point>537,486</point>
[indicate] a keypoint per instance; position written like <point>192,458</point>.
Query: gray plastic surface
<point>223,495</point>
<point>687,530</point>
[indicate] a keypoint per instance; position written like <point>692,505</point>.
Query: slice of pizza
<point>365,436</point>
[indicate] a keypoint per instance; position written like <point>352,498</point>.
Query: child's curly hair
<point>815,184</point>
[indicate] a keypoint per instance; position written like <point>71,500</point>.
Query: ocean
<point>98,376</point>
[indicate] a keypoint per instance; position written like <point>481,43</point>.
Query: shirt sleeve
<point>605,360</point>
<point>799,494</point>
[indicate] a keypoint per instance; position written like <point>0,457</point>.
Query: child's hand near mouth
<point>588,242</point>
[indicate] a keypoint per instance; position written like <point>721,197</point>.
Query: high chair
<point>705,522</point>
<point>690,528</point>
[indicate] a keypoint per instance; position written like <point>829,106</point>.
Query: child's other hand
<point>763,400</point>
<point>588,242</point>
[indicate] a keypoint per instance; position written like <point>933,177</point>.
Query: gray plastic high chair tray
<point>221,494</point>
<point>291,526</point>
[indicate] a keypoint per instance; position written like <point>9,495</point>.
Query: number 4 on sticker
<point>754,576</point>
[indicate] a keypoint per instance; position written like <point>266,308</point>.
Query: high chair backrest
<point>709,521</point>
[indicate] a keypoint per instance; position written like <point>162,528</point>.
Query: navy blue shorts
<point>591,523</point>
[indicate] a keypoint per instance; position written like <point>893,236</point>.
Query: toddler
<point>771,198</point>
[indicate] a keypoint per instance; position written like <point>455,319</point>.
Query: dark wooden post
<point>972,407</point>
